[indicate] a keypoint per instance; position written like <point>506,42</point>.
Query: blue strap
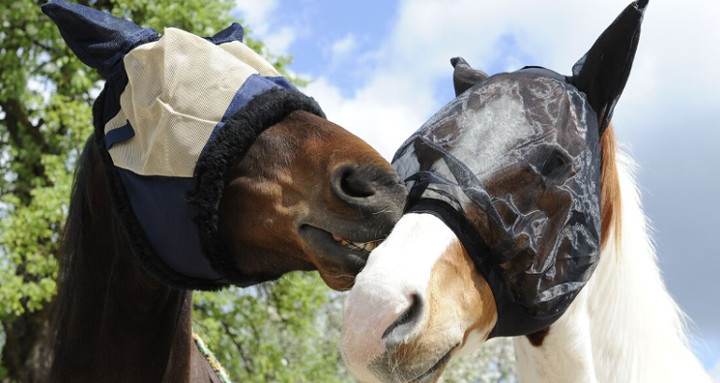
<point>232,33</point>
<point>120,134</point>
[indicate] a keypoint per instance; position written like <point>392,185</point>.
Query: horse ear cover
<point>99,39</point>
<point>464,76</point>
<point>171,132</point>
<point>604,70</point>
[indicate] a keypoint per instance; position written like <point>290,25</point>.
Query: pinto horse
<point>205,169</point>
<point>518,196</point>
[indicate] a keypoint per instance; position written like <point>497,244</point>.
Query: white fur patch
<point>624,326</point>
<point>397,269</point>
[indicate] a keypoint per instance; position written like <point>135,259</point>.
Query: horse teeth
<point>370,246</point>
<point>366,246</point>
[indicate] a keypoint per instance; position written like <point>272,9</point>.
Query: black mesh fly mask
<point>512,165</point>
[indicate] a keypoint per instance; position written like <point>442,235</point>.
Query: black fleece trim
<point>228,144</point>
<point>145,253</point>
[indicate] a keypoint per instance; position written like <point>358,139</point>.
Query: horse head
<point>308,195</point>
<point>504,220</point>
<point>220,170</point>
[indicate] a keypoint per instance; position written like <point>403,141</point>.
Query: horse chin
<point>426,371</point>
<point>433,373</point>
<point>421,362</point>
<point>337,264</point>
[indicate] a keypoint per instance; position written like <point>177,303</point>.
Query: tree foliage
<point>287,331</point>
<point>494,362</point>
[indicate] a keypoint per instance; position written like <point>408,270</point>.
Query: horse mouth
<point>433,374</point>
<point>360,246</point>
<point>339,257</point>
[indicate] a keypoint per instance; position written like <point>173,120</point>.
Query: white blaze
<point>397,269</point>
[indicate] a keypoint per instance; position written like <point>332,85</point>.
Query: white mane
<point>624,326</point>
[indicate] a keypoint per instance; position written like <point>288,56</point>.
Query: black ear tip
<point>455,61</point>
<point>49,8</point>
<point>641,4</point>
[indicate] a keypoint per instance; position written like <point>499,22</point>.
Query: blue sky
<point>381,68</point>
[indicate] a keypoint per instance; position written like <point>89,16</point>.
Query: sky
<point>381,69</point>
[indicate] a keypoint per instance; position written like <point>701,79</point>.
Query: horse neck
<point>623,326</point>
<point>114,321</point>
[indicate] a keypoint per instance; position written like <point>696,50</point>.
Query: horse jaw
<point>396,326</point>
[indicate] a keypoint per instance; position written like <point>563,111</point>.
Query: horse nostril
<point>353,182</point>
<point>371,190</point>
<point>406,322</point>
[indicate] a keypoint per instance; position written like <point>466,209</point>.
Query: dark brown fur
<point>537,338</point>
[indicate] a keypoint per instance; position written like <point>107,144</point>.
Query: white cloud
<point>380,113</point>
<point>715,372</point>
<point>257,14</point>
<point>279,40</point>
<point>342,48</point>
<point>399,92</point>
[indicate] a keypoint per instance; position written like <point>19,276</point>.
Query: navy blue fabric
<point>281,82</point>
<point>232,33</point>
<point>254,85</point>
<point>99,39</point>
<point>160,207</point>
<point>120,134</point>
<point>114,87</point>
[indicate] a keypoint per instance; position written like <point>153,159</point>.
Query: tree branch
<point>246,362</point>
<point>16,118</point>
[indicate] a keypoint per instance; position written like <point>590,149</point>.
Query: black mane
<point>110,313</point>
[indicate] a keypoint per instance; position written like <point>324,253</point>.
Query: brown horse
<point>522,222</point>
<point>292,191</point>
<point>118,323</point>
